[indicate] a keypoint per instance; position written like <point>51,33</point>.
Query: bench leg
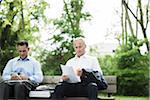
<point>109,94</point>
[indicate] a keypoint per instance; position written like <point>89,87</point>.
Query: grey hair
<point>79,38</point>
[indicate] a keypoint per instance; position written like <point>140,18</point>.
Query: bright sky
<point>104,18</point>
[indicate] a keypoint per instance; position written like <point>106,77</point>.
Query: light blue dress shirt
<point>28,67</point>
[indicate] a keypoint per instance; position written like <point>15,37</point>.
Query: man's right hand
<point>15,77</point>
<point>65,77</point>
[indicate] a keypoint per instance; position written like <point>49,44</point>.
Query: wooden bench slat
<point>111,80</point>
<point>51,79</point>
<point>56,79</point>
<point>110,89</point>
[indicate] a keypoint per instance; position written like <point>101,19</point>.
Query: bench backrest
<point>111,80</point>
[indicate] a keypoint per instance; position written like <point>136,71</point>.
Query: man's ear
<point>84,45</point>
<point>17,48</point>
<point>28,49</point>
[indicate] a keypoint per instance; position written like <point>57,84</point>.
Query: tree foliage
<point>69,28</point>
<point>141,18</point>
<point>128,63</point>
<point>133,72</point>
<point>132,66</point>
<point>18,20</point>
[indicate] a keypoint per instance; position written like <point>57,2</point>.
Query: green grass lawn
<point>130,98</point>
<point>126,97</point>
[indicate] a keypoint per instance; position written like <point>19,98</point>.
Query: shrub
<point>133,72</point>
<point>131,69</point>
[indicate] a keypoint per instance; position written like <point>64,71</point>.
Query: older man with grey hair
<point>79,62</point>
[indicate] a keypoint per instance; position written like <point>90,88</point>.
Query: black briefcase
<point>95,77</point>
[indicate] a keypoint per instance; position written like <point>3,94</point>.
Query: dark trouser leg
<point>20,91</point>
<point>59,92</point>
<point>64,90</point>
<point>4,91</point>
<point>92,91</point>
<point>75,90</point>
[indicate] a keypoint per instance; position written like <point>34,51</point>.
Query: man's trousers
<point>75,90</point>
<point>17,90</point>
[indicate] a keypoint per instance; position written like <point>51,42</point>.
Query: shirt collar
<point>83,56</point>
<point>24,59</point>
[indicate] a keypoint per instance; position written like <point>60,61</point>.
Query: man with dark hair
<point>20,75</point>
<point>23,42</point>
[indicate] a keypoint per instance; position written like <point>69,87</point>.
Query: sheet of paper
<point>40,94</point>
<point>68,70</point>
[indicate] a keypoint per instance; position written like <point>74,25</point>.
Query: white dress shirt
<point>28,67</point>
<point>85,62</point>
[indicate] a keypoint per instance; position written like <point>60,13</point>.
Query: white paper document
<point>42,87</point>
<point>70,72</point>
<point>40,94</point>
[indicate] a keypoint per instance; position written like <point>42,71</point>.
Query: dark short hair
<point>23,42</point>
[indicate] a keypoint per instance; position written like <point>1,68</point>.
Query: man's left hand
<point>23,77</point>
<point>79,72</point>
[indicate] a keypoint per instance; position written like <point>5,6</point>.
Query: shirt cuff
<point>31,78</point>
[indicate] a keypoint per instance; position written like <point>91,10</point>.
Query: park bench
<point>52,81</point>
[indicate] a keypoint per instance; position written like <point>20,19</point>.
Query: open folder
<point>70,72</point>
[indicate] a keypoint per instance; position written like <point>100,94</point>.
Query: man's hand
<point>15,77</point>
<point>19,77</point>
<point>23,77</point>
<point>79,72</point>
<point>65,77</point>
